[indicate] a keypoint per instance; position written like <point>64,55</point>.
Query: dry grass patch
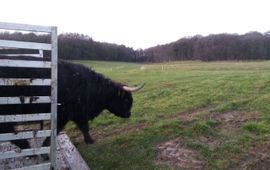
<point>231,122</point>
<point>211,142</point>
<point>258,158</point>
<point>175,154</point>
<point>235,118</point>
<point>191,114</point>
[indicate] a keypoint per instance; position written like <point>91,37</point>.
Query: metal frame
<point>18,117</point>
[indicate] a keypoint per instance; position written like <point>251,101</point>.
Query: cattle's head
<point>121,102</point>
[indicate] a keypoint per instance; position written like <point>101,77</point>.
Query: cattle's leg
<point>84,127</point>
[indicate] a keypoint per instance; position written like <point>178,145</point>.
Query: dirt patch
<point>236,116</point>
<point>229,123</point>
<point>211,142</point>
<point>191,114</point>
<point>258,158</point>
<point>175,154</point>
<point>234,119</point>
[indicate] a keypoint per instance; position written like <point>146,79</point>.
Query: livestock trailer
<point>27,98</point>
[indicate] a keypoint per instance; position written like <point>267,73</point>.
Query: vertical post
<point>53,96</point>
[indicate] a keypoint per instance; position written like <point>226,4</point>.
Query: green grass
<point>171,90</point>
<point>257,128</point>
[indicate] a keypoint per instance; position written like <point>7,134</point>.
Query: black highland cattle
<point>82,95</point>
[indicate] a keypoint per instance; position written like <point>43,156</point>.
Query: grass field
<point>216,114</point>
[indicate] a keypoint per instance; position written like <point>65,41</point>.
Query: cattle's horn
<point>133,89</point>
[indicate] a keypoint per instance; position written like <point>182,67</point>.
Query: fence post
<point>54,95</point>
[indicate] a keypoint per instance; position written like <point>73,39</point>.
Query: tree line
<point>73,46</point>
<point>250,46</point>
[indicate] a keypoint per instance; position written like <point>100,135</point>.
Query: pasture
<point>190,115</point>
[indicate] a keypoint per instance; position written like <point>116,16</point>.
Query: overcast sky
<point>141,23</point>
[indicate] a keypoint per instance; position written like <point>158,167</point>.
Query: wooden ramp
<point>67,156</point>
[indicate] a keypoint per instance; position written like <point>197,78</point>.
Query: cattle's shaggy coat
<point>82,95</point>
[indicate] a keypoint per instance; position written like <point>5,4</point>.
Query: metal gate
<point>13,106</point>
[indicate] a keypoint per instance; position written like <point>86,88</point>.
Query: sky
<point>141,23</point>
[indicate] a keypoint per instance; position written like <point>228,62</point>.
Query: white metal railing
<point>29,82</point>
<point>25,45</point>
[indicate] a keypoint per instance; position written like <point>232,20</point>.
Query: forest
<point>74,46</point>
